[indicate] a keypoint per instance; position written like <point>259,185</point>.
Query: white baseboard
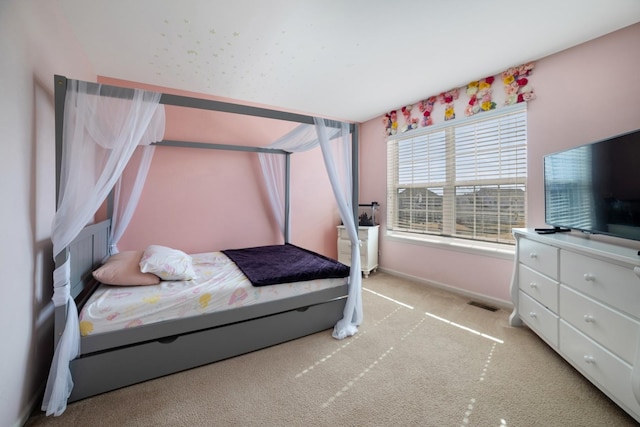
<point>45,317</point>
<point>495,302</point>
<point>34,405</point>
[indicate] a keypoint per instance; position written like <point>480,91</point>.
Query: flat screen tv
<point>595,187</point>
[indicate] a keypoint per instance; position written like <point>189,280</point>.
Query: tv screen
<point>595,187</point>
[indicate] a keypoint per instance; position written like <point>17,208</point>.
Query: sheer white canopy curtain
<point>124,204</point>
<point>335,143</point>
<point>100,135</point>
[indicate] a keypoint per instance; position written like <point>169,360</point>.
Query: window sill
<point>450,243</point>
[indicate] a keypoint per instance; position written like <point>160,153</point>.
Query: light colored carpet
<point>423,357</point>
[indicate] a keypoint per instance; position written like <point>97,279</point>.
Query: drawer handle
<point>589,318</point>
<point>589,359</point>
<point>168,340</point>
<point>589,277</point>
<point>533,314</point>
<point>533,285</point>
<point>533,255</point>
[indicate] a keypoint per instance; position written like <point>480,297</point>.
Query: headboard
<point>86,252</point>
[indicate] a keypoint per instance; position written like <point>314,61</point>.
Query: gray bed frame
<point>112,360</point>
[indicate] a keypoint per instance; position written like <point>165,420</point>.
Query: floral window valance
<point>477,96</point>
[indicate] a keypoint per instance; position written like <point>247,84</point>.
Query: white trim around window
<point>474,247</point>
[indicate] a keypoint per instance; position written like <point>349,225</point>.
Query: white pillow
<point>167,263</point>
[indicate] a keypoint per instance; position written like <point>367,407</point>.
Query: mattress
<point>220,285</point>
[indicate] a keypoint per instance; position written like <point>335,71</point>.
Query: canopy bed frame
<point>111,360</point>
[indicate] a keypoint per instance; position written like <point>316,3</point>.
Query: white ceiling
<point>346,59</point>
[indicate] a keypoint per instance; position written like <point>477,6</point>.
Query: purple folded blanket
<point>270,265</point>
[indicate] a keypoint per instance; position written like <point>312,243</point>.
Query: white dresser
<point>582,297</point>
<point>368,237</point>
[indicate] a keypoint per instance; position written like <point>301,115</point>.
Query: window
<point>464,179</point>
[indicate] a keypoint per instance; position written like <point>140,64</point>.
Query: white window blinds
<point>462,179</point>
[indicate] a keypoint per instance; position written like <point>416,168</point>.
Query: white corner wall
<point>35,44</point>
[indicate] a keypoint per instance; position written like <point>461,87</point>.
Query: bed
<point>116,358</point>
<point>108,359</point>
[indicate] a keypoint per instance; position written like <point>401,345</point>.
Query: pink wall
<point>583,94</point>
<point>200,200</point>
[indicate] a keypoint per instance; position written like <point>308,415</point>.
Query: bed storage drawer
<point>128,365</point>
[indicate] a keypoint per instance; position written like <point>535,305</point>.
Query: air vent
<point>481,305</point>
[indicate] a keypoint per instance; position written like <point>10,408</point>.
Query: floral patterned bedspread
<point>219,285</point>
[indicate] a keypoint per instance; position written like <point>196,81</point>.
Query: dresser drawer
<point>540,257</point>
<point>613,330</point>
<point>344,247</point>
<point>539,287</point>
<point>608,372</point>
<point>344,254</point>
<point>539,318</point>
<point>364,233</point>
<point>368,239</point>
<point>343,234</point>
<point>610,283</point>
